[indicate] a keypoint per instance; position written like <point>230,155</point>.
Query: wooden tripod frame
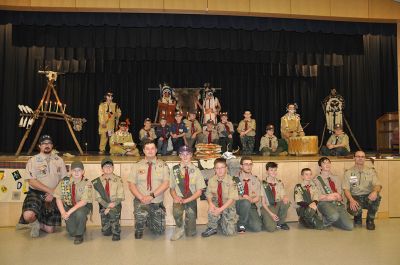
<point>44,115</point>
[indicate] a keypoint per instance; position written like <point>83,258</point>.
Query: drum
<point>303,145</point>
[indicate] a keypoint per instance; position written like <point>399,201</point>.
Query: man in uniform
<point>275,202</point>
<point>109,193</point>
<point>337,144</point>
<point>121,142</point>
<point>290,123</point>
<point>108,114</point>
<point>362,187</point>
<point>193,129</point>
<point>306,196</point>
<point>178,132</point>
<point>247,131</point>
<point>74,201</point>
<point>269,145</point>
<point>249,195</point>
<point>45,170</point>
<point>147,133</point>
<point>225,132</point>
<point>186,185</point>
<point>148,181</point>
<point>163,134</point>
<point>209,135</point>
<point>330,203</point>
<point>221,196</point>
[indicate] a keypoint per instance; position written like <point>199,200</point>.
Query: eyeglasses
<point>359,156</point>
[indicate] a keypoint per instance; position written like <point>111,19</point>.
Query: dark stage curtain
<point>367,81</point>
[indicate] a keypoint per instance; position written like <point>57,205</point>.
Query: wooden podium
<point>386,127</point>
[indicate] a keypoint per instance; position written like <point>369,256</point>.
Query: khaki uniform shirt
<point>143,134</point>
<point>265,142</point>
<point>105,116</point>
<point>341,139</point>
<point>291,123</point>
<point>360,182</point>
<point>49,170</point>
<point>204,138</point>
<point>196,179</point>
<point>279,189</point>
<point>250,124</point>
<point>254,185</point>
<point>116,189</point>
<point>83,190</point>
<point>298,196</point>
<point>159,174</point>
<point>229,189</point>
<point>120,138</point>
<point>335,179</point>
<point>222,132</point>
<point>188,124</point>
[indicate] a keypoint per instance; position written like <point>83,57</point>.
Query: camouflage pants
<point>248,215</point>
<point>110,221</point>
<point>310,218</point>
<point>152,214</point>
<point>365,203</point>
<point>223,142</point>
<point>335,214</point>
<point>226,220</point>
<point>76,223</point>
<point>338,151</point>
<point>247,144</point>
<point>178,210</point>
<point>280,210</point>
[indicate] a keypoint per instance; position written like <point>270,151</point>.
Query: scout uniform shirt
<point>224,129</point>
<point>298,193</point>
<point>48,169</point>
<point>271,142</point>
<point>163,132</point>
<point>329,186</point>
<point>253,184</point>
<point>339,139</point>
<point>159,174</point>
<point>196,179</point>
<point>360,182</point>
<point>116,189</point>
<point>290,123</point>
<point>178,128</point>
<point>120,137</point>
<point>192,127</point>
<point>107,114</point>
<point>143,134</point>
<point>65,189</point>
<point>250,124</point>
<point>267,188</point>
<point>206,136</point>
<point>229,189</point>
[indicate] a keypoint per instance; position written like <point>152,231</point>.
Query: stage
<point>289,168</point>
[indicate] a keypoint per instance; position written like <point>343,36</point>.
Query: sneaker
<point>241,229</point>
<point>78,240</point>
<point>35,229</point>
<point>101,152</point>
<point>283,226</point>
<point>370,224</point>
<point>209,232</point>
<point>116,237</point>
<point>178,233</point>
<point>138,235</point>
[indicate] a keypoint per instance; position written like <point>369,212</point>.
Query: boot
<point>370,224</point>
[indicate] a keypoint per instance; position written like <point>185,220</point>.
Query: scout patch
<point>353,180</point>
<point>1,175</point>
<point>141,172</point>
<point>3,189</point>
<point>16,175</point>
<point>25,187</point>
<point>19,185</point>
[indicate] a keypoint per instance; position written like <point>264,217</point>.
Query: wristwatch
<point>152,194</point>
